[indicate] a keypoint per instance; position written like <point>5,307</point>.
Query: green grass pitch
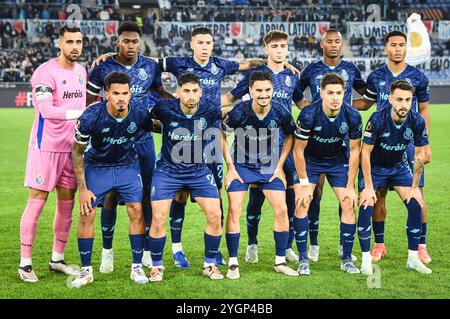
<point>257,281</point>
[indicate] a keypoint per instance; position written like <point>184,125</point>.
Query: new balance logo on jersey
<point>72,95</point>
<point>387,134</point>
<point>318,128</point>
<point>174,124</point>
<point>105,130</point>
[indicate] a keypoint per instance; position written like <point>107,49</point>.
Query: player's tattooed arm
<point>355,145</point>
<point>102,58</point>
<point>85,196</point>
<point>287,148</point>
<point>425,112</point>
<point>227,99</point>
<point>368,195</point>
<point>250,64</point>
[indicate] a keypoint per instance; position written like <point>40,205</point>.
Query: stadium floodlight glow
<point>136,6</point>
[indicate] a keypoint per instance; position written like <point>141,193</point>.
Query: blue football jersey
<point>390,140</point>
<point>314,72</point>
<point>380,80</point>
<point>211,74</point>
<point>184,137</point>
<point>110,139</point>
<point>326,135</point>
<point>145,77</point>
<point>257,140</point>
<point>285,86</point>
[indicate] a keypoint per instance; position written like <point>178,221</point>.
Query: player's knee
<point>86,221</point>
<point>135,212</point>
<point>158,221</point>
<point>280,212</point>
<point>234,211</point>
<point>214,221</point>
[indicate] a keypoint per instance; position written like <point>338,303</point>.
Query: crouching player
<point>384,164</point>
<point>319,149</point>
<point>256,160</point>
<point>187,126</point>
<point>110,163</point>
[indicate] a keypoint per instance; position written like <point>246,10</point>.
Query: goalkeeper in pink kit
<point>59,95</point>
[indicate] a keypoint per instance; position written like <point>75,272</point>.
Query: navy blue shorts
<point>251,176</point>
<point>410,159</point>
<point>146,152</point>
<point>336,173</point>
<point>386,178</point>
<point>199,184</point>
<point>125,180</point>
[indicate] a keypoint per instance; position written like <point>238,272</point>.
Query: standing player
<point>211,71</point>
<point>388,134</point>
<point>186,123</point>
<point>259,156</point>
<point>378,84</point>
<point>145,80</point>
<point>285,86</point>
<point>332,46</point>
<point>110,127</point>
<point>322,128</point>
<point>59,88</point>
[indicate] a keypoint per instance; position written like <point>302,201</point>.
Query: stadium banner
<point>257,30</point>
<point>19,25</point>
<point>379,29</point>
<point>444,30</point>
<point>234,29</point>
<point>90,28</point>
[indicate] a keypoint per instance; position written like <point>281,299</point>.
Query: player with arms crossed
<point>187,124</point>
<point>285,86</point>
<point>110,163</point>
<point>332,46</point>
<point>321,130</point>
<point>59,88</point>
<point>145,81</point>
<point>388,133</point>
<point>258,158</point>
<point>378,83</point>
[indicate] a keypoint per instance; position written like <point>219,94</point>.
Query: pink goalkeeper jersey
<point>55,91</point>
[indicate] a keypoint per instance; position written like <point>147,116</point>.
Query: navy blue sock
<point>157,250</point>
<point>348,238</point>
<point>176,220</point>
<point>148,222</point>
<point>301,226</point>
<point>108,221</point>
<point>290,202</point>
<point>378,231</point>
<point>85,246</point>
<point>281,239</point>
<point>313,215</point>
<point>232,244</point>
<point>365,227</point>
<point>137,247</point>
<point>413,224</point>
<point>212,244</point>
<point>423,237</point>
<point>255,202</point>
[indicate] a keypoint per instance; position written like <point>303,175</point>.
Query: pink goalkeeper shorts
<point>46,170</point>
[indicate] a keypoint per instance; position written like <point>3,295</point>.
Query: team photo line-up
<point>94,133</point>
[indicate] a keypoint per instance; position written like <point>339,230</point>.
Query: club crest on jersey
<point>132,128</point>
<point>344,75</point>
<point>273,125</point>
<point>142,74</point>
<point>344,128</point>
<point>202,123</point>
<point>408,134</point>
<point>214,69</point>
<point>80,79</point>
<point>288,81</point>
<point>39,180</point>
